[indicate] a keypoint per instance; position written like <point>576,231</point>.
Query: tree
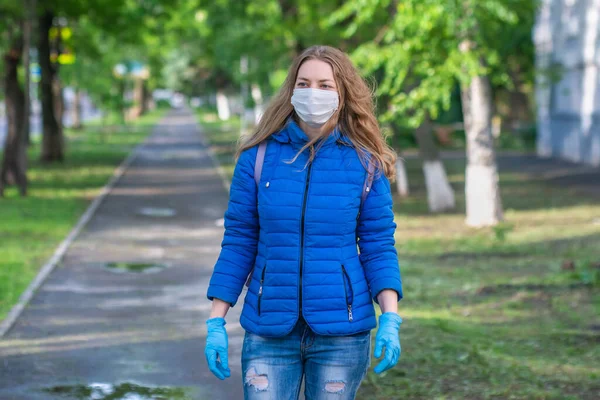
<point>124,21</point>
<point>14,162</point>
<point>397,74</point>
<point>28,27</point>
<point>424,49</point>
<point>440,195</point>
<point>52,135</point>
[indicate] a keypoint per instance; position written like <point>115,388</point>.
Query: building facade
<point>567,40</point>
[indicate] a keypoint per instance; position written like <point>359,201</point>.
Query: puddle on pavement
<point>122,391</point>
<point>156,212</point>
<point>135,267</point>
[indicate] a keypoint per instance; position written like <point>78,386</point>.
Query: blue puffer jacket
<point>300,233</point>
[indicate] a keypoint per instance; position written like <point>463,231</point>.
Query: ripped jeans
<point>332,366</point>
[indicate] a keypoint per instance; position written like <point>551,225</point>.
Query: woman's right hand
<point>216,348</point>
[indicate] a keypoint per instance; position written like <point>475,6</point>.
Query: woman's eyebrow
<point>320,80</point>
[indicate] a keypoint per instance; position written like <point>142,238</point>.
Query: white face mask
<point>315,106</point>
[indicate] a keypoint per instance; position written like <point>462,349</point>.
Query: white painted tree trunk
<point>247,120</point>
<point>484,205</point>
<point>401,178</point>
<point>223,110</point>
<point>483,197</point>
<point>258,102</point>
<point>440,196</point>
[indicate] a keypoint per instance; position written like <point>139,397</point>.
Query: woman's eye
<point>326,86</point>
<point>301,84</point>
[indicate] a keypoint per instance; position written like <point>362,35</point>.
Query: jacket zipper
<point>302,236</point>
<point>345,278</point>
<point>260,289</point>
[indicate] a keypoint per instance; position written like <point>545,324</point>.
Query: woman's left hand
<point>388,337</point>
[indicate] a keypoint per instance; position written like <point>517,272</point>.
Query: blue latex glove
<point>388,337</point>
<point>217,346</point>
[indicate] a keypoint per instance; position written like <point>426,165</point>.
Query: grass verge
<point>511,312</point>
<point>32,227</point>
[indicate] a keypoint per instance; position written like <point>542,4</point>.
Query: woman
<point>293,230</point>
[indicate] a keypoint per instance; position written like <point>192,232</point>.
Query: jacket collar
<point>292,133</point>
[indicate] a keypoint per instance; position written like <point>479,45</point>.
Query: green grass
<point>222,136</point>
<point>32,227</point>
<point>490,313</point>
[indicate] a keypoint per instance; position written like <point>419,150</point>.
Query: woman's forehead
<point>315,70</point>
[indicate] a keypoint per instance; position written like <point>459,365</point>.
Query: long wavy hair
<point>355,116</point>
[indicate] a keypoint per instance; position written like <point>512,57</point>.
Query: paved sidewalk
<point>91,332</point>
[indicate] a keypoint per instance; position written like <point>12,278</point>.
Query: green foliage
<point>11,14</point>
<point>424,47</point>
<point>212,39</point>
<point>116,32</point>
<point>501,230</point>
<point>193,46</point>
<point>163,104</point>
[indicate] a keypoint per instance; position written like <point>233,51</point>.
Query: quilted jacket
<point>297,231</point>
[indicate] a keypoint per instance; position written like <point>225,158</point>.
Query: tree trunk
<point>258,102</point>
<point>27,23</point>
<point>244,94</point>
<point>440,195</point>
<point>223,109</point>
<point>14,162</point>
<point>121,102</point>
<point>138,98</point>
<point>520,107</point>
<point>484,205</point>
<point>401,178</point>
<point>57,88</point>
<point>145,98</point>
<point>77,110</point>
<point>28,29</point>
<point>52,135</point>
<point>59,102</point>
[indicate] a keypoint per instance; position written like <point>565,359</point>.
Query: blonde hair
<point>355,115</point>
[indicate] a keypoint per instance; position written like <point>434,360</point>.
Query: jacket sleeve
<point>239,245</point>
<point>376,228</point>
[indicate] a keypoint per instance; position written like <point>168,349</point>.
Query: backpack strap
<point>368,181</point>
<point>258,166</point>
<point>260,159</point>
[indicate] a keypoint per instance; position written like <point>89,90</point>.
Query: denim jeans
<point>332,366</point>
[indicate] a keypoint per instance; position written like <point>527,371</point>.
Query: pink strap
<point>258,165</point>
<point>260,159</point>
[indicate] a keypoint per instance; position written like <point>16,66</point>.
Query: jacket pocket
<point>348,291</point>
<point>249,279</point>
<point>260,289</point>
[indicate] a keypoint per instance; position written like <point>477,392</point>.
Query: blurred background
<point>492,106</point>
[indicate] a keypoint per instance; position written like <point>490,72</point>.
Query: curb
<point>28,294</point>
